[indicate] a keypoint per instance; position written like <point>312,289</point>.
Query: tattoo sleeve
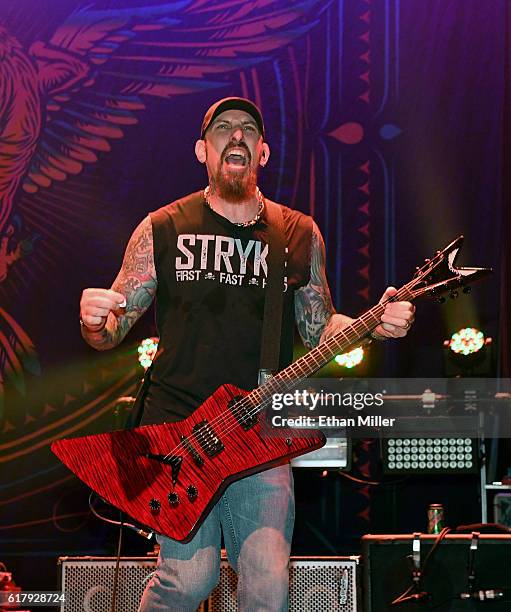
<point>314,312</point>
<point>313,304</point>
<point>137,282</point>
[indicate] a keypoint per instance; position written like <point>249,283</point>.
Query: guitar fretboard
<point>319,356</point>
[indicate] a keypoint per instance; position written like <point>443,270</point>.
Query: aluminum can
<point>436,518</point>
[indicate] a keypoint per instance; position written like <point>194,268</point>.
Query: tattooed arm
<point>107,315</point>
<point>314,312</point>
<point>315,315</point>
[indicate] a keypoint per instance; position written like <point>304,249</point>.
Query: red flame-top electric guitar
<point>169,476</point>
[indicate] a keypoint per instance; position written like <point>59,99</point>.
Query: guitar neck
<point>319,356</point>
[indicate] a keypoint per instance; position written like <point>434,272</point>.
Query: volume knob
<point>192,492</point>
<point>173,498</point>
<point>154,505</point>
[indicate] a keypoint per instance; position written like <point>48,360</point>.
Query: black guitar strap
<point>135,415</point>
<point>274,297</point>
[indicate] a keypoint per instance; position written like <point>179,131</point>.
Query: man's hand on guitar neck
<point>397,318</point>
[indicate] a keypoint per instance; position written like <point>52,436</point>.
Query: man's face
<point>233,148</point>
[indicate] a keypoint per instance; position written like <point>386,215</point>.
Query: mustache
<point>236,145</point>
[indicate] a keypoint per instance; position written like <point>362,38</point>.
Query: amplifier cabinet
<point>317,584</point>
<point>387,572</point>
<point>88,582</point>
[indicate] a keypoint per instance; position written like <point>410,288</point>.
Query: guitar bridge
<point>207,438</point>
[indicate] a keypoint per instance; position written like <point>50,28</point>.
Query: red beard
<point>235,187</point>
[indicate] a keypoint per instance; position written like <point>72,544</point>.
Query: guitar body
<point>173,495</point>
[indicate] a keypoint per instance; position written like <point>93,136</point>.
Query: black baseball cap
<point>229,104</point>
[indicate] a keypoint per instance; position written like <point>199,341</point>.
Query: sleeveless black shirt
<point>211,278</point>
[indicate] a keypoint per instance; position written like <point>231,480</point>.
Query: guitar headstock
<point>439,275</point>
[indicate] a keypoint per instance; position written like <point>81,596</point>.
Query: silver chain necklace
<point>253,221</point>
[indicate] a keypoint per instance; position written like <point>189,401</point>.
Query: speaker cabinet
<point>317,584</point>
<point>88,582</point>
<point>387,572</point>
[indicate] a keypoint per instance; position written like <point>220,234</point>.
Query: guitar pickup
<point>242,414</point>
<point>207,439</point>
<point>193,453</point>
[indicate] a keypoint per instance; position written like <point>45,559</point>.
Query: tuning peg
<point>467,289</point>
<point>453,295</point>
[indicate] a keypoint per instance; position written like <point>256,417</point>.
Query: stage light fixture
<point>453,455</point>
<point>467,341</point>
<point>146,351</point>
<point>468,353</point>
<point>351,359</point>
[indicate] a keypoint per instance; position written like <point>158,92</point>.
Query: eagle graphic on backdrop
<point>64,99</point>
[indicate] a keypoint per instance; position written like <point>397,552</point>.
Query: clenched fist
<point>96,304</point>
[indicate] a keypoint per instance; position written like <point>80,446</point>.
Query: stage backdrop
<point>386,122</point>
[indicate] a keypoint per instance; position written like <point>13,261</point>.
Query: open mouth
<point>237,157</point>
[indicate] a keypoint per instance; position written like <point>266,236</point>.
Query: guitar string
<point>281,382</point>
<point>238,409</point>
<point>241,406</point>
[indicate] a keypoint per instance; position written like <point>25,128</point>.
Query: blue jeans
<point>256,516</point>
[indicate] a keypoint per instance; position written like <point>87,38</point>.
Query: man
<point>204,258</point>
